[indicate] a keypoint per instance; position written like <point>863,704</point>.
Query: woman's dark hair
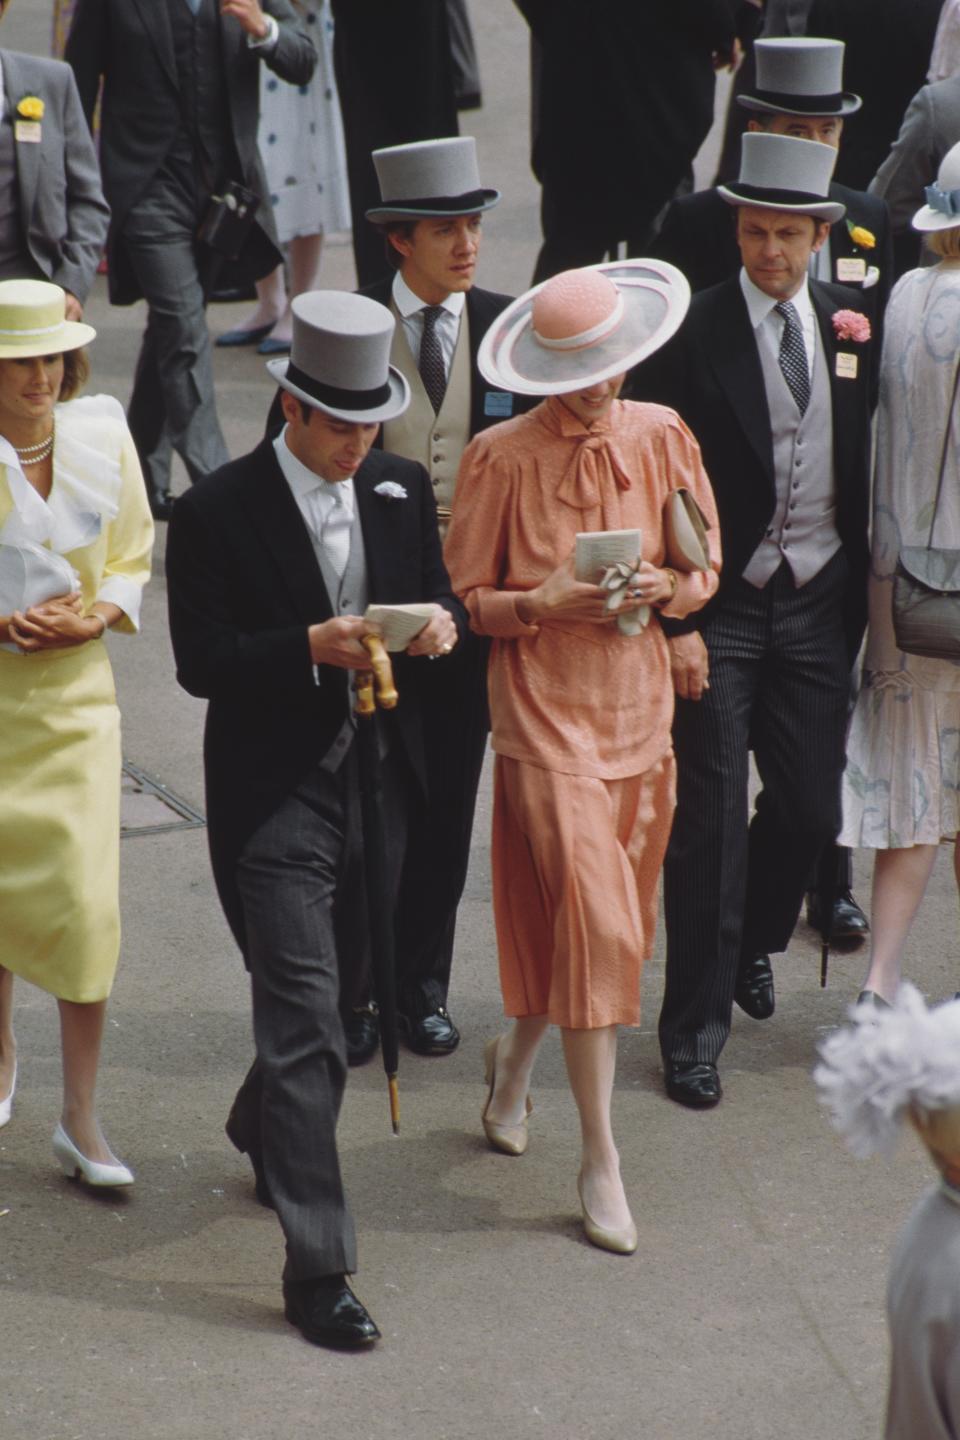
<point>76,373</point>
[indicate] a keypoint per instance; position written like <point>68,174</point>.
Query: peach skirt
<point>575,867</point>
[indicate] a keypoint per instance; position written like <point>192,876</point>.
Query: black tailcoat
<point>244,586</point>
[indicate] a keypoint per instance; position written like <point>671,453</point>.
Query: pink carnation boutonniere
<point>851,325</point>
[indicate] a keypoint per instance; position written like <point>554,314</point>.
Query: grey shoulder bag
<point>926,584</point>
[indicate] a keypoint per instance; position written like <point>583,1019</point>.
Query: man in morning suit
<point>798,92</point>
<point>53,217</point>
<point>271,562</point>
<point>430,213</point>
<point>181,100</point>
<point>778,399</point>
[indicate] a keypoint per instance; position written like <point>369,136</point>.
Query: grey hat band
<point>334,396</point>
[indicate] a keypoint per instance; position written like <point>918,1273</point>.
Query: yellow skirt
<point>60,820</point>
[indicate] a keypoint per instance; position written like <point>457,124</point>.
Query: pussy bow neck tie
<point>595,469</point>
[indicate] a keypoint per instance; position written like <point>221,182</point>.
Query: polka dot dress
<point>301,140</point>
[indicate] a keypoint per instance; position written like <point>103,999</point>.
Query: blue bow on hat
<point>946,201</point>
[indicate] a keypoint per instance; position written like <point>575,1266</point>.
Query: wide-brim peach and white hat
<point>584,326</point>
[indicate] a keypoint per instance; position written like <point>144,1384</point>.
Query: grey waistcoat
<point>348,596</point>
<point>803,528</point>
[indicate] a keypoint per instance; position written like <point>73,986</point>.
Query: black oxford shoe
<point>695,1085</point>
<point>326,1312</point>
<point>433,1034</point>
<point>161,504</point>
<point>849,925</point>
<point>754,991</point>
<point>361,1030</point>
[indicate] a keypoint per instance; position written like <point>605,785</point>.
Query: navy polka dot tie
<point>431,369</point>
<point>793,355</point>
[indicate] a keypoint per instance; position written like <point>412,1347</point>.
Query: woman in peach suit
<point>581,711</point>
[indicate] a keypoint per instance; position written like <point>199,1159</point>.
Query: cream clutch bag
<point>685,533</point>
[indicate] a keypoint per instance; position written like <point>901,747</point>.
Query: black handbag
<point>229,219</point>
<point>926,584</point>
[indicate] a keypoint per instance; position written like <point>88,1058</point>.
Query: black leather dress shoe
<point>161,504</point>
<point>696,1085</point>
<point>754,992</point>
<point>361,1029</point>
<point>433,1034</point>
<point>240,1142</point>
<point>327,1312</point>
<point>849,923</point>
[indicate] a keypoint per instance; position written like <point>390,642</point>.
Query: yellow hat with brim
<point>33,321</point>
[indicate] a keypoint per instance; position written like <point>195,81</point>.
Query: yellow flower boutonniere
<point>861,236</point>
<point>31,108</point>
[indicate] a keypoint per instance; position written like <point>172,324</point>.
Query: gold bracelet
<point>659,604</point>
<point>95,616</point>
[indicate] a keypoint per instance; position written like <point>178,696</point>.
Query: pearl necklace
<point>35,454</point>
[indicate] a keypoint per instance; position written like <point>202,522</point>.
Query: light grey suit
<point>930,127</point>
<point>63,216</point>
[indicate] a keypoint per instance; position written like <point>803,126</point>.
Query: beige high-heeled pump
<point>618,1242</point>
<point>508,1139</point>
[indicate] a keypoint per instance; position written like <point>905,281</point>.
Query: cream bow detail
<point>616,581</point>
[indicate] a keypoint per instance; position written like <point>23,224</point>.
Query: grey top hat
<point>339,361</point>
<point>778,172</point>
<point>800,75</point>
<point>430,178</point>
<point>942,210</point>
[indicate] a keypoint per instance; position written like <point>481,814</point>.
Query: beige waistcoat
<point>437,441</point>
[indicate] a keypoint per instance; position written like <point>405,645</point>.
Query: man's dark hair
<point>404,228</point>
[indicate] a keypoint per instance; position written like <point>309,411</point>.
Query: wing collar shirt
<point>327,507</point>
<point>768,325</point>
<point>410,309</point>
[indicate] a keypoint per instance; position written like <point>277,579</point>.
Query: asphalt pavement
<point>754,1305</point>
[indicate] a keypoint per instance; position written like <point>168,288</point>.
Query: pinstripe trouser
<point>779,681</point>
<point>296,876</point>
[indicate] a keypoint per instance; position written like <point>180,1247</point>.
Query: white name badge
<point>27,132</point>
<point>852,270</point>
<point>846,365</point>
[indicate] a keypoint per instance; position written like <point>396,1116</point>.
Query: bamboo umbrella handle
<point>387,696</point>
<point>364,704</point>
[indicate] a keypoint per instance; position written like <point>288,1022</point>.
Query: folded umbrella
<point>373,687</point>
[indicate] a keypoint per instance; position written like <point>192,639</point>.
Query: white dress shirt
<point>410,309</point>
<point>327,506</point>
<point>769,326</point>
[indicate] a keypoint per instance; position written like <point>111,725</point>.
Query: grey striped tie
<point>432,373</point>
<point>793,355</point>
